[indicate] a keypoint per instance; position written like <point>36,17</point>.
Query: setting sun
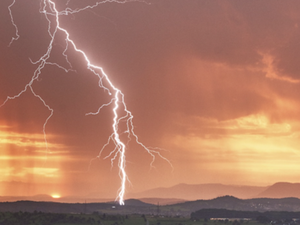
<point>55,196</point>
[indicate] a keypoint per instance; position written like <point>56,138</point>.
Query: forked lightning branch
<point>121,113</point>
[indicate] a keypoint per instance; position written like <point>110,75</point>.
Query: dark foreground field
<point>40,218</point>
<point>225,210</point>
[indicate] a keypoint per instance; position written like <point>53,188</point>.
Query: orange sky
<point>214,83</point>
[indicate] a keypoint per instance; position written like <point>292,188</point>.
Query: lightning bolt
<point>13,23</point>
<point>49,10</point>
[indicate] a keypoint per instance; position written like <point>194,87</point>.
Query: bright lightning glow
<point>49,10</point>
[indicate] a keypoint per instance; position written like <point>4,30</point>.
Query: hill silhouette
<point>200,191</point>
<point>281,190</point>
<point>181,193</point>
<point>134,206</point>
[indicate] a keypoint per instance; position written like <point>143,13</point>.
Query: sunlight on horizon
<point>56,196</point>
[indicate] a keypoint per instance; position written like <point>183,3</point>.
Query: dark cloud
<point>145,48</point>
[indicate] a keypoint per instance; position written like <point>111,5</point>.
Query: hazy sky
<point>214,83</point>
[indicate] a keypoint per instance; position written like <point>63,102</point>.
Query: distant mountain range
<point>210,191</point>
<point>201,191</point>
<point>185,192</point>
<point>281,190</point>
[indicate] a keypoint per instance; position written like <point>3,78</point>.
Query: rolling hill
<point>133,206</point>
<point>281,190</point>
<point>200,191</point>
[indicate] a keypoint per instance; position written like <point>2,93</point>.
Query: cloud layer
<point>214,82</point>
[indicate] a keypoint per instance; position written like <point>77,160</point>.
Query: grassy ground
<point>38,218</point>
